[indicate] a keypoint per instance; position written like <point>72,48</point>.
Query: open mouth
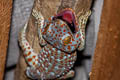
<point>68,16</point>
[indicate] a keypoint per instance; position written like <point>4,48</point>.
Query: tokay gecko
<point>60,35</point>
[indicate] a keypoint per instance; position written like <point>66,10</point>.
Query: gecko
<point>60,35</point>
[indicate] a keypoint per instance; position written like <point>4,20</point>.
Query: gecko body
<point>60,36</point>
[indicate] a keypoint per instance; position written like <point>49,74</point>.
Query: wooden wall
<point>106,63</point>
<point>5,17</point>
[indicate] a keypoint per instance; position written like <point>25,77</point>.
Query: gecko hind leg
<point>70,74</point>
<point>31,73</point>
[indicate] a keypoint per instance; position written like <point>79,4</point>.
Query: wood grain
<point>47,8</point>
<point>106,63</point>
<point>5,17</point>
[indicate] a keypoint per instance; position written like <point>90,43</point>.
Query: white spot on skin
<point>58,76</point>
<point>49,51</point>
<point>53,49</point>
<point>56,67</point>
<point>45,56</point>
<point>59,52</point>
<point>38,72</point>
<point>68,55</point>
<point>38,64</point>
<point>58,60</point>
<point>42,65</point>
<point>47,59</point>
<point>46,69</point>
<point>43,59</point>
<point>52,73</point>
<point>40,60</point>
<point>52,57</point>
<point>49,63</point>
<point>71,63</point>
<point>65,57</point>
<point>63,73</point>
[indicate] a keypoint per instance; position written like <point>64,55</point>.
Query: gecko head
<point>61,31</point>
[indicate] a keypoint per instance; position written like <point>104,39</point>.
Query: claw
<point>29,73</point>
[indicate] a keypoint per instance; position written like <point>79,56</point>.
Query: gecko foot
<point>29,73</point>
<point>68,75</point>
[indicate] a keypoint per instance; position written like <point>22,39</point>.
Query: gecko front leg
<point>82,23</point>
<point>40,22</point>
<point>70,74</point>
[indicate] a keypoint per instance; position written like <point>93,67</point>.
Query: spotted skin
<point>58,32</point>
<point>58,54</point>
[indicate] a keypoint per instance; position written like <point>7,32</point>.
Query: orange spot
<point>53,32</point>
<point>24,49</point>
<point>64,30</point>
<point>28,47</point>
<point>29,59</point>
<point>68,32</point>
<point>56,27</point>
<point>34,56</point>
<point>54,14</point>
<point>62,25</point>
<point>77,35</point>
<point>25,55</point>
<point>60,32</point>
<point>59,35</point>
<point>73,39</point>
<point>77,41</point>
<point>56,35</point>
<point>75,45</point>
<point>70,42</point>
<point>59,29</point>
<point>69,47</point>
<point>33,63</point>
<point>29,53</point>
<point>23,46</point>
<point>76,23</point>
<point>60,38</point>
<point>36,59</point>
<point>49,19</point>
<point>48,55</point>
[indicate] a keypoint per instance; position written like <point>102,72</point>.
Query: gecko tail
<point>30,56</point>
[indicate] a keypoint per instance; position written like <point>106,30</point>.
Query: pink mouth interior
<point>69,17</point>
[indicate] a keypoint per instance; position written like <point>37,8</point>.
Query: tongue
<point>68,16</point>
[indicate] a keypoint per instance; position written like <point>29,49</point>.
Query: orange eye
<point>67,40</point>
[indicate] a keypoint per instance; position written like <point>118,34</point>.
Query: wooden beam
<point>106,62</point>
<point>5,17</point>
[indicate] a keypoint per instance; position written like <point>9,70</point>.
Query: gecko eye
<point>66,39</point>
